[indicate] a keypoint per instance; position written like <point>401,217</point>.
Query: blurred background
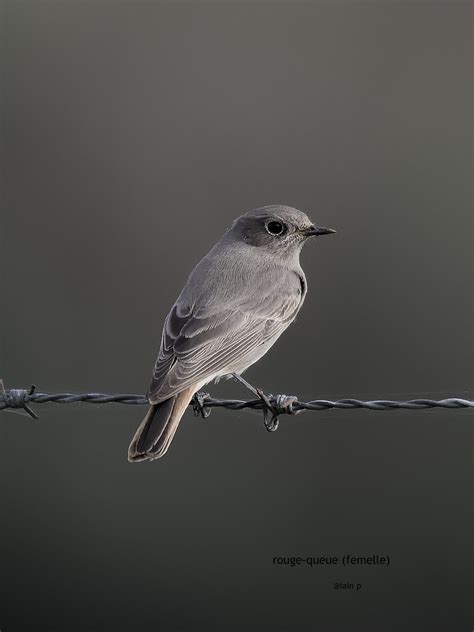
<point>133,134</point>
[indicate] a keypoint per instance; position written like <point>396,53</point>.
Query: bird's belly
<point>244,363</point>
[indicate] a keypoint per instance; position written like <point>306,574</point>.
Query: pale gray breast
<point>232,309</point>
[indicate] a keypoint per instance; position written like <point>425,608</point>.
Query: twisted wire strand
<point>202,402</point>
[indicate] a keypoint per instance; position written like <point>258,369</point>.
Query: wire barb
<point>272,405</point>
<point>17,398</point>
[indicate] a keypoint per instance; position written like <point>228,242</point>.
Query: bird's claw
<point>275,405</point>
<point>270,414</point>
<point>198,405</point>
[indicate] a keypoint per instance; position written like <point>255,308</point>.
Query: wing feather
<point>198,342</point>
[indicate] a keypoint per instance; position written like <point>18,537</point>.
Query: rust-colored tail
<point>154,435</point>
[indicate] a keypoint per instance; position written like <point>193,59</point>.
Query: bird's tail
<point>154,435</point>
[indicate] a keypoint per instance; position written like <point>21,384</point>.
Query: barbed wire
<point>202,403</point>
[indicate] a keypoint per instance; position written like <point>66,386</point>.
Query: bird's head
<point>276,229</point>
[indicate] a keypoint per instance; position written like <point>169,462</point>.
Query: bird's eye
<point>275,228</point>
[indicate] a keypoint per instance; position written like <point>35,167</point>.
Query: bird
<point>236,303</point>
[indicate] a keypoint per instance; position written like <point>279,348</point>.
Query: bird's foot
<point>272,405</point>
<point>198,404</point>
<point>275,405</point>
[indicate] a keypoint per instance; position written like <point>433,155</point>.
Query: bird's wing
<point>199,342</point>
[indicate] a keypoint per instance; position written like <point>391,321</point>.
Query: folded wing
<point>199,342</point>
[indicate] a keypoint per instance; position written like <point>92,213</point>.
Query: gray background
<point>133,134</point>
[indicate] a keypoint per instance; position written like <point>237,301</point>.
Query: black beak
<point>315,231</point>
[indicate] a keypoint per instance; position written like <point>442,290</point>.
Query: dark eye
<point>275,228</point>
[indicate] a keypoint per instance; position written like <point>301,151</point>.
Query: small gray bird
<point>236,302</point>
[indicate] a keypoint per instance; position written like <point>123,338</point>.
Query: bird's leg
<point>251,388</point>
<point>270,413</point>
<point>197,402</point>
